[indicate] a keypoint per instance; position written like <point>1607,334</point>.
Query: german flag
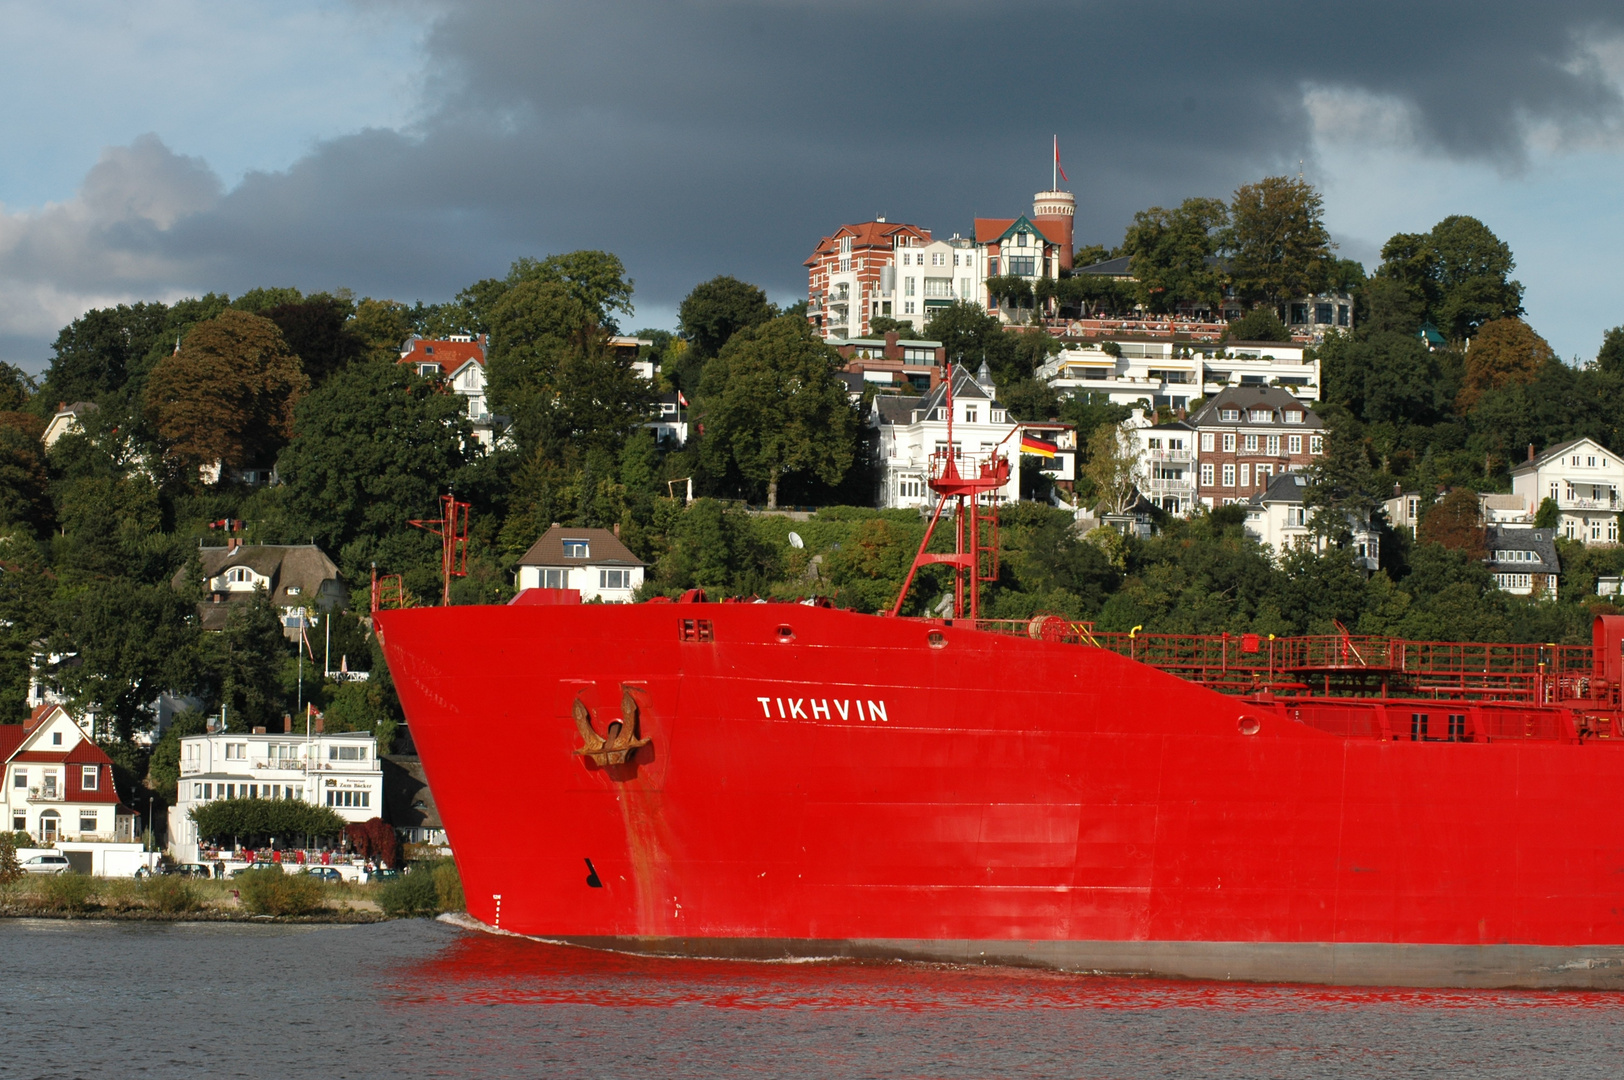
<point>1031,444</point>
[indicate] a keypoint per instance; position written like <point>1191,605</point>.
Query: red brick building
<point>850,270</point>
<point>1247,435</point>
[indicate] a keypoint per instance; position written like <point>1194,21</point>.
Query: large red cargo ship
<point>754,779</point>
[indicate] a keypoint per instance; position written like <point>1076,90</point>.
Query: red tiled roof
<point>868,234</point>
<point>88,753</point>
<point>450,355</point>
<point>53,757</point>
<point>989,230</point>
<point>11,737</point>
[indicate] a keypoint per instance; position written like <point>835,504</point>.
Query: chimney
<point>287,723</point>
<point>1530,451</point>
<point>259,729</point>
<point>617,530</point>
<point>321,722</point>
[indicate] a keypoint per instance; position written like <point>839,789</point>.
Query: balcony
<point>1573,503</point>
<point>51,793</point>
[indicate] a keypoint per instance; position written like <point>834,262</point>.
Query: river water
<point>428,999</point>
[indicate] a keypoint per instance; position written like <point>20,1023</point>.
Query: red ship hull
<point>820,782</point>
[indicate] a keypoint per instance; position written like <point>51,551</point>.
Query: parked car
<point>325,873</point>
<point>190,870</point>
<point>382,873</point>
<point>52,862</point>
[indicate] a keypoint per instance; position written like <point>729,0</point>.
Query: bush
<point>416,893</point>
<point>66,892</point>
<point>169,895</point>
<point>225,819</point>
<point>448,883</point>
<point>271,892</point>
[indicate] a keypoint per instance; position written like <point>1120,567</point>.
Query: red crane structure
<point>452,529</point>
<point>973,559</point>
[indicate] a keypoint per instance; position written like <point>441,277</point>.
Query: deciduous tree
<point>772,405</point>
<point>1505,352</point>
<point>228,394</point>
<point>1279,247</point>
<point>1113,466</point>
<point>719,308</point>
<point>1171,252</point>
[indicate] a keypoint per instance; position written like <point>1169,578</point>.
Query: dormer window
<point>970,414</point>
<point>428,370</point>
<point>429,349</point>
<point>576,549</point>
<point>1229,415</point>
<point>1261,416</point>
<point>239,575</point>
<point>1293,416</point>
<point>1020,239</point>
<point>293,590</point>
<point>998,416</point>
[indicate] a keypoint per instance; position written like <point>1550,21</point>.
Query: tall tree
<point>24,495</point>
<point>375,446</point>
<point>1456,276</point>
<point>772,405</point>
<point>1505,352</point>
<point>245,661</point>
<point>1114,467</point>
<point>1279,247</point>
<point>132,642</point>
<point>1172,254</point>
<point>719,308</point>
<point>316,329</point>
<point>595,280</point>
<point>228,394</point>
<point>1610,357</point>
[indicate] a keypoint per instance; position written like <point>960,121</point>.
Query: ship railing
<point>1490,672</point>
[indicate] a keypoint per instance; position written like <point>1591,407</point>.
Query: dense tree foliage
<point>718,309</point>
<point>1279,247</point>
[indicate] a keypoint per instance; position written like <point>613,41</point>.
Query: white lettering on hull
<point>868,711</point>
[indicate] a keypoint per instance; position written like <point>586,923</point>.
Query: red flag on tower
<point>1057,166</point>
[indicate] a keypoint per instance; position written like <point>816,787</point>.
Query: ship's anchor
<point>620,743</point>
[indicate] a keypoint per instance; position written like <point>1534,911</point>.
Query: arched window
<point>238,575</point>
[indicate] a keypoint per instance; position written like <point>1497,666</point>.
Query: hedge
<point>228,819</point>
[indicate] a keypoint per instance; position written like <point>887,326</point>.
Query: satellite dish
<point>795,540</point>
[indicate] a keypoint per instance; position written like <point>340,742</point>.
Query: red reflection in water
<point>487,969</point>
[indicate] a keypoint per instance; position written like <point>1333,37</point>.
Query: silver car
<point>52,862</point>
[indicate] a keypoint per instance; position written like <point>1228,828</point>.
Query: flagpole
<point>1054,173</point>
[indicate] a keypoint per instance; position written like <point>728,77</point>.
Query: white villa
<point>914,429</point>
<point>1278,519</point>
<point>338,770</point>
<point>58,783</point>
<point>1584,478</point>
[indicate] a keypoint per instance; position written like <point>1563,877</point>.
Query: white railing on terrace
<point>1570,503</point>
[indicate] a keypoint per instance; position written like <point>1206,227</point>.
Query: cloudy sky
<point>406,148</point>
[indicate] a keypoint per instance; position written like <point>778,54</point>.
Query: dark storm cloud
<point>703,138</point>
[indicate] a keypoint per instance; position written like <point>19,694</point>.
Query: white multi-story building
<point>929,278</point>
<point>1277,518</point>
<point>1167,464</point>
<point>460,360</point>
<point>1171,374</point>
<point>338,770</point>
<point>1584,478</point>
<point>913,431</point>
<point>851,276</point>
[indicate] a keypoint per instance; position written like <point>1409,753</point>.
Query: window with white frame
<point>577,549</point>
<point>1274,446</point>
<point>239,575</point>
<point>907,286</point>
<point>614,579</point>
<point>89,777</point>
<point>1316,444</point>
<point>349,798</point>
<point>1206,475</point>
<point>346,753</point>
<point>1246,476</point>
<point>1294,444</point>
<point>19,778</point>
<point>1296,515</point>
<point>969,414</point>
<point>1250,444</point>
<point>87,821</point>
<point>1207,441</point>
<point>554,579</point>
<point>1229,476</point>
<point>236,751</point>
<point>1229,415</point>
<point>1229,441</point>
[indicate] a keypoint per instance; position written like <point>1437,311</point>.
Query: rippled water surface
<point>411,999</point>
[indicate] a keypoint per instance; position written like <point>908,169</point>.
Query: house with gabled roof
<point>591,562</point>
<point>459,360</point>
<point>1020,247</point>
<point>58,784</point>
<point>1584,479</point>
<point>913,431</point>
<point>851,276</point>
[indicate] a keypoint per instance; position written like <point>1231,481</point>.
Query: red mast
<point>452,529</point>
<point>966,493</point>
